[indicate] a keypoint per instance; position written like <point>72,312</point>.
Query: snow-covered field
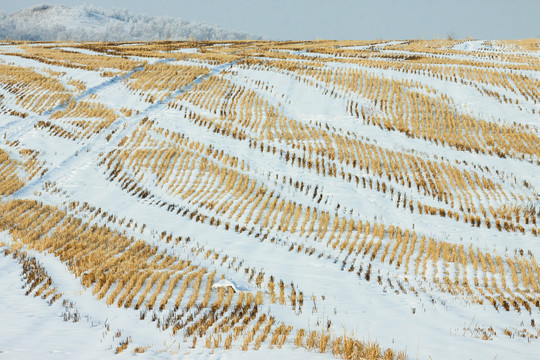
<point>363,199</point>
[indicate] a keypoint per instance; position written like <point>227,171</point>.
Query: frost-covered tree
<point>50,23</point>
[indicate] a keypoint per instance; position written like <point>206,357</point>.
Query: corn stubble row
<point>233,110</point>
<point>136,274</point>
<point>213,177</point>
<point>470,187</point>
<point>211,186</point>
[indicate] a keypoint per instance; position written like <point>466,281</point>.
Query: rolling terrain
<point>88,23</point>
<point>256,199</point>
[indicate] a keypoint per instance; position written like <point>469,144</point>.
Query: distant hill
<point>58,22</point>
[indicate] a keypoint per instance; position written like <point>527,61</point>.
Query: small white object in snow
<point>224,283</point>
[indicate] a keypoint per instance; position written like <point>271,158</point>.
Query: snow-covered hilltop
<point>58,22</point>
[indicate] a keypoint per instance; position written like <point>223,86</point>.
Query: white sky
<point>341,19</point>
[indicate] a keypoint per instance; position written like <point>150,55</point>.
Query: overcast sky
<point>341,19</point>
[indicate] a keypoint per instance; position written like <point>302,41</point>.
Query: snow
<point>224,283</point>
<point>431,324</point>
<point>32,329</point>
<point>81,51</point>
<point>472,45</point>
<point>61,23</point>
<point>186,51</point>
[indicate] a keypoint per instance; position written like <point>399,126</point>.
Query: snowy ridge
<point>63,23</point>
